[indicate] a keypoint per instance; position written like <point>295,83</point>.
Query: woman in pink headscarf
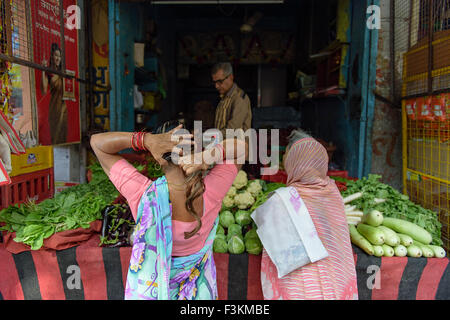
<point>332,278</point>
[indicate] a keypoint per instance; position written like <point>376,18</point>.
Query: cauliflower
<point>228,202</point>
<point>244,200</point>
<point>241,180</point>
<point>254,188</point>
<point>232,192</point>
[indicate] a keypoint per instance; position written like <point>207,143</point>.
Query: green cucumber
<point>405,239</point>
<point>439,252</point>
<point>390,237</point>
<point>358,240</point>
<point>374,235</point>
<point>427,252</point>
<point>400,251</point>
<point>414,251</point>
<point>388,250</point>
<point>374,218</point>
<point>378,251</point>
<point>408,228</point>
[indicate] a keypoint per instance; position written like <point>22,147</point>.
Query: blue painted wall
<point>125,28</point>
<point>360,98</point>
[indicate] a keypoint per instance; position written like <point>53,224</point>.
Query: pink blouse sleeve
<point>129,182</point>
<point>217,183</point>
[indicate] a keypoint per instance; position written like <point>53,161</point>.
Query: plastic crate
<point>336,173</point>
<point>35,186</point>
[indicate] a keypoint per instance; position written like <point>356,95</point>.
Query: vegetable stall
<point>85,230</point>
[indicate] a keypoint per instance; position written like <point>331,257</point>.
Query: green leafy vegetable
<point>234,230</point>
<point>226,218</point>
<point>220,230</point>
<point>74,207</point>
<point>154,170</point>
<point>243,218</point>
<point>220,245</point>
<point>253,245</point>
<point>262,197</point>
<point>396,204</point>
<point>236,245</point>
<point>251,234</point>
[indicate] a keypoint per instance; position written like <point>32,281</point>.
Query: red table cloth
<point>90,272</point>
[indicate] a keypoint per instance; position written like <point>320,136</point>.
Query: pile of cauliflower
<point>236,232</point>
<point>242,193</point>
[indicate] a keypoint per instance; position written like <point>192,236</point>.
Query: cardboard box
<point>67,163</point>
<point>35,159</point>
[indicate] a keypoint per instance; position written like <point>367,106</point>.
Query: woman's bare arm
<point>234,150</point>
<point>107,145</point>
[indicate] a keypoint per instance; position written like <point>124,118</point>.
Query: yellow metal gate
<point>426,108</point>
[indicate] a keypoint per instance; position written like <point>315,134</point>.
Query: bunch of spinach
<point>395,205</point>
<point>35,222</point>
<point>72,208</point>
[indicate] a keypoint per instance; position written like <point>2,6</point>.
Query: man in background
<point>234,110</point>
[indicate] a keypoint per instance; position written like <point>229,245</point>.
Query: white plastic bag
<point>287,231</point>
<point>5,154</point>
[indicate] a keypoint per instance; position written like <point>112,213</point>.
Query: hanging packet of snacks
<point>446,124</point>
<point>438,104</point>
<point>424,109</point>
<point>446,99</point>
<point>5,66</point>
<point>5,87</point>
<point>411,105</point>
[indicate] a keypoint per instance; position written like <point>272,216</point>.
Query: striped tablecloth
<point>90,272</point>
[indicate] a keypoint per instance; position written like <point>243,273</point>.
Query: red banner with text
<point>57,97</point>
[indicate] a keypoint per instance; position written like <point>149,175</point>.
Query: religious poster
<point>57,97</point>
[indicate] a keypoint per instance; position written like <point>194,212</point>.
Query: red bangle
<point>137,141</point>
<point>138,147</point>
<point>133,136</point>
<point>142,141</point>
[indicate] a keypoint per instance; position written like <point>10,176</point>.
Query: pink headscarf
<point>334,277</point>
<point>307,166</point>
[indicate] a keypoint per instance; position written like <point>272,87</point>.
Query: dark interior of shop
<point>298,30</point>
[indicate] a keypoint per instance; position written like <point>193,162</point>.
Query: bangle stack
<point>137,141</point>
